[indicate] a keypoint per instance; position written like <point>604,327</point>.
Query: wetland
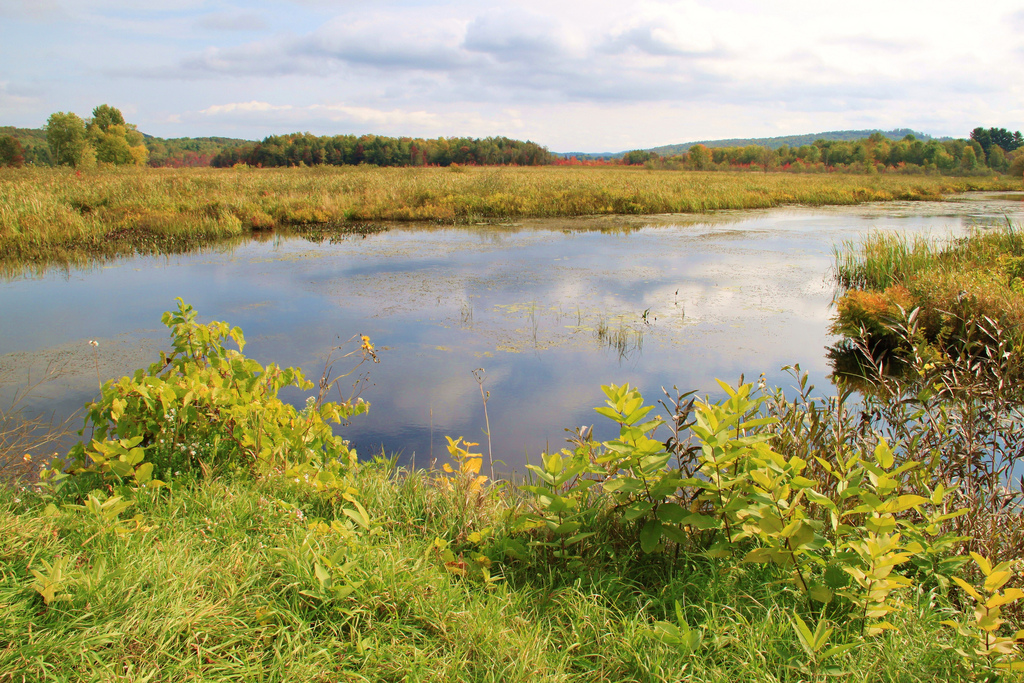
<point>550,309</point>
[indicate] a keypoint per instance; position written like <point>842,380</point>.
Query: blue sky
<point>575,75</point>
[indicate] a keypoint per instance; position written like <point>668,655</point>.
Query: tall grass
<point>883,259</point>
<point>54,214</point>
<point>955,283</point>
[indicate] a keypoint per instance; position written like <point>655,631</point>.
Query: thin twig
<point>478,375</point>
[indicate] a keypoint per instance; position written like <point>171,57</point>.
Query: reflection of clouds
<point>441,299</point>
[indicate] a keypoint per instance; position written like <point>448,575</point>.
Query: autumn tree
<point>104,116</point>
<point>11,153</point>
<point>698,157</point>
<point>115,141</point>
<point>66,135</point>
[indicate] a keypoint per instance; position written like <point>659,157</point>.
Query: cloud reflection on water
<point>738,292</point>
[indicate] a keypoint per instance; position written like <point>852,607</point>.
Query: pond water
<point>550,309</point>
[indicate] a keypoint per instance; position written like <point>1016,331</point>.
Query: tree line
<point>986,151</point>
<point>106,137</point>
<point>344,150</point>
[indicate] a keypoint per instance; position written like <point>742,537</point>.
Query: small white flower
<point>93,342</point>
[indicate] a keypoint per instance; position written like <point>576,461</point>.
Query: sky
<point>573,75</point>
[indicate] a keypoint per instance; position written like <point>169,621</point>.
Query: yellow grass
<point>53,214</point>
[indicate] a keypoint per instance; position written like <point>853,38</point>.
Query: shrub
<point>204,407</point>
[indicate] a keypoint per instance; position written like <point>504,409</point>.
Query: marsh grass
<point>955,283</point>
<point>626,340</point>
<point>215,587</point>
<point>883,259</point>
<point>63,215</point>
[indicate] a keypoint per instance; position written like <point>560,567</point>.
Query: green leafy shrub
<point>848,521</point>
<point>204,407</point>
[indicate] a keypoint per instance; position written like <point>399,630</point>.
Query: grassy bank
<point>970,288</point>
<point>228,580</point>
<point>209,531</point>
<point>50,215</point>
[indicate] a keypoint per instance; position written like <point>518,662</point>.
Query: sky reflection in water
<point>550,309</point>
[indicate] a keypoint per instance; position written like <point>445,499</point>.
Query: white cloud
<point>13,97</point>
<point>581,74</point>
<point>232,21</point>
<point>252,106</point>
<point>340,117</point>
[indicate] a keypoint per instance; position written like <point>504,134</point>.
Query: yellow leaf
<point>969,589</point>
<point>997,580</point>
<point>983,564</point>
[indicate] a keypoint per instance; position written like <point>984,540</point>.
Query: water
<point>550,310</point>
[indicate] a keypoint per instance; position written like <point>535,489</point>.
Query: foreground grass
<point>218,581</point>
<point>53,215</point>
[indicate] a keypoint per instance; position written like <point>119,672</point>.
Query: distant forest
<point>985,151</point>
<point>106,138</point>
<point>343,150</point>
<point>795,140</point>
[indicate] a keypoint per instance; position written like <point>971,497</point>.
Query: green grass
<point>219,585</point>
<point>55,215</point>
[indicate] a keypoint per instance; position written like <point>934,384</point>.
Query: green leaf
<point>358,516</point>
<point>671,513</point>
<point>576,538</point>
<point>803,535</point>
<point>770,524</point>
<point>650,536</point>
<point>566,528</point>
<point>702,522</point>
<point>837,650</point>
<point>758,555</point>
<point>819,499</point>
<point>820,594</point>
<point>609,413</point>
<point>144,472</point>
<point>883,455</point>
<point>803,635</point>
<point>880,525</point>
<point>635,510</point>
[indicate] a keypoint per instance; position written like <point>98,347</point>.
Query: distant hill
<point>34,136</point>
<point>34,147</point>
<point>771,143</point>
<point>793,140</point>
